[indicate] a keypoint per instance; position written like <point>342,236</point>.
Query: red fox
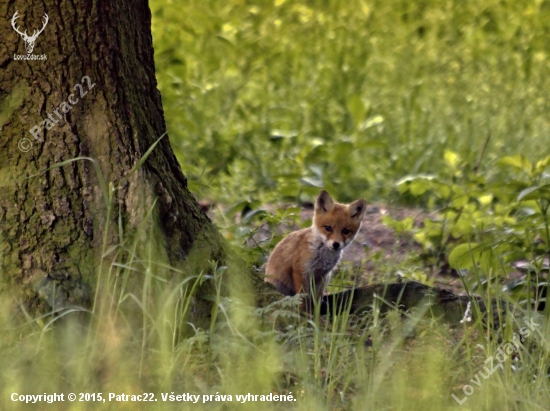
<point>302,262</point>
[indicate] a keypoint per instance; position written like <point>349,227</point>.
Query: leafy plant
<point>482,226</point>
<point>276,99</point>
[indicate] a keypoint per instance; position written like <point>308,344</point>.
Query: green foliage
<point>258,230</point>
<point>271,100</point>
<point>131,343</point>
<point>479,224</point>
<point>137,338</point>
<point>268,101</point>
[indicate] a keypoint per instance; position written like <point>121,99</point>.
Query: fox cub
<point>302,262</point>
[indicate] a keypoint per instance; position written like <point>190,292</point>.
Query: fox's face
<point>337,224</point>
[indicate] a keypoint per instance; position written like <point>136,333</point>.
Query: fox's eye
<point>328,228</point>
<point>345,231</point>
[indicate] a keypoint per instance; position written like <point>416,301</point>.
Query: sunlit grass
<point>266,99</point>
<point>137,339</point>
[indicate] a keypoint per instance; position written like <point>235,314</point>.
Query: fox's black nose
<point>336,246</point>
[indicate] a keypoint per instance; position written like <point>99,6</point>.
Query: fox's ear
<point>324,202</point>
<point>357,209</point>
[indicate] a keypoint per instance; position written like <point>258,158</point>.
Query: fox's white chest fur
<point>322,262</point>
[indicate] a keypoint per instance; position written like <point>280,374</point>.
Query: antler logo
<point>29,40</point>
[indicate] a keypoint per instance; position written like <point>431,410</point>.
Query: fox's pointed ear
<point>324,202</point>
<point>357,209</point>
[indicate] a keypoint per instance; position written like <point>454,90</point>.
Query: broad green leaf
<point>342,152</point>
<point>280,134</point>
<point>463,226</point>
<point>252,214</point>
<point>485,200</point>
<point>316,142</point>
<point>312,182</point>
<point>464,256</point>
<point>419,187</point>
<point>316,169</point>
<point>442,190</point>
<point>408,223</point>
<point>356,108</point>
<point>459,201</point>
<point>517,161</point>
<point>421,238</point>
<point>451,158</point>
<point>399,226</point>
<point>535,193</point>
<point>542,165</point>
<point>409,178</point>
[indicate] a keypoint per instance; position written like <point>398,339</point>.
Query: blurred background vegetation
<point>270,100</point>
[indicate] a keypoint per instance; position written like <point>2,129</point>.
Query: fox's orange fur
<point>303,261</point>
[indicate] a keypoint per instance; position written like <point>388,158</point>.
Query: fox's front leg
<point>298,277</point>
<point>299,286</point>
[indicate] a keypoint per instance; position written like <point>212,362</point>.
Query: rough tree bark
<point>51,224</point>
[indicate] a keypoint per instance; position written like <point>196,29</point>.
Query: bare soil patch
<point>376,251</point>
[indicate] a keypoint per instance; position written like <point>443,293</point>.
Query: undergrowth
<point>137,339</point>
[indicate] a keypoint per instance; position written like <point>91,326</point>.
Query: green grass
<point>134,341</point>
<point>266,102</point>
<point>265,99</point>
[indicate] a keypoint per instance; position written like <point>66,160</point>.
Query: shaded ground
<point>376,255</point>
<point>382,255</point>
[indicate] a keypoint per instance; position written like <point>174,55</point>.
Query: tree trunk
<point>94,96</point>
